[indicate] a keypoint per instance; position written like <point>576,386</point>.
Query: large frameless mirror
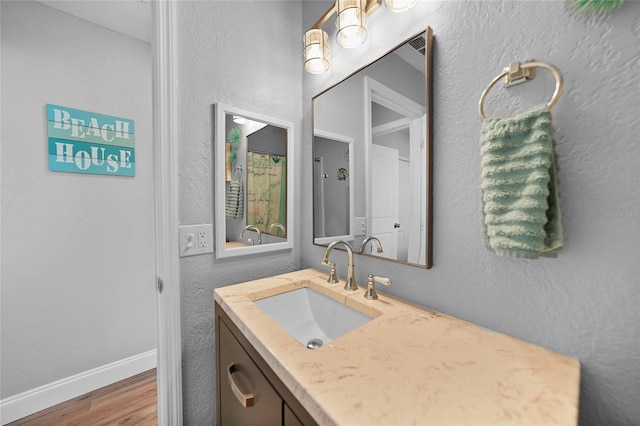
<point>254,169</point>
<point>372,157</point>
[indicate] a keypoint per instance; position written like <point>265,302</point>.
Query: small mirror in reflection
<point>333,187</point>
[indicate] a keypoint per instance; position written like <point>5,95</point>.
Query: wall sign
<point>87,142</point>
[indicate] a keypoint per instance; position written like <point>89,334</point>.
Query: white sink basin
<point>309,315</point>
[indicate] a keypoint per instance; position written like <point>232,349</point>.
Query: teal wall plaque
<point>88,142</point>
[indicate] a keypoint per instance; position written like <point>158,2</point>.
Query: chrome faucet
<point>351,278</point>
<point>252,228</point>
<point>277,225</point>
<point>371,238</point>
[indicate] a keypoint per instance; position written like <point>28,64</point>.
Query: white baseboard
<point>34,400</point>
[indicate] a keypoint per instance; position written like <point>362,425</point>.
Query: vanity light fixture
<point>351,30</point>
<point>316,51</point>
<point>350,23</point>
<point>399,5</point>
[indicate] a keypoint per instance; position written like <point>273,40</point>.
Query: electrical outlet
<point>195,239</point>
<point>202,240</point>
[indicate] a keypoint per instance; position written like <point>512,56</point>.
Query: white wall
<point>77,250</point>
<point>584,303</point>
<point>245,54</point>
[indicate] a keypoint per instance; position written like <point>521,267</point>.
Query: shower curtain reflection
<point>266,191</point>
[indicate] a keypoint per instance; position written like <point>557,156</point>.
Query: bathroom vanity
<point>248,390</point>
<point>405,365</point>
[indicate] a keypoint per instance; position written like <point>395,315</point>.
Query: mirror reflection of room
<point>256,182</point>
<point>397,187</point>
<point>383,112</point>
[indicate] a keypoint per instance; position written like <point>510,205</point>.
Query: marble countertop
<point>234,244</point>
<point>408,366</point>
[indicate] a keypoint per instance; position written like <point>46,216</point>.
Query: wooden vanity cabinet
<point>248,391</point>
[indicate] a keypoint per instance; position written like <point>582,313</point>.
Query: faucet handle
<point>381,280</point>
<point>371,293</point>
<point>333,278</point>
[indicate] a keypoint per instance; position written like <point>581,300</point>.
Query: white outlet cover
<point>195,239</point>
<point>360,223</point>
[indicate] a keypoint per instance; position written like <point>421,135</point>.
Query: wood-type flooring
<point>132,401</point>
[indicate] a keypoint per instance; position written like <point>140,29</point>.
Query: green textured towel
<point>235,201</point>
<point>520,194</point>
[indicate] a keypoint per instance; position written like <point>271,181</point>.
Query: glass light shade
<point>316,51</point>
<point>399,5</point>
<point>350,23</point>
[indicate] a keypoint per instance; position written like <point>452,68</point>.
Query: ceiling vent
<point>419,44</point>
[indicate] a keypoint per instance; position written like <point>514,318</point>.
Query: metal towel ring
<point>520,72</point>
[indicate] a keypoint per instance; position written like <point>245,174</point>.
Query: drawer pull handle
<point>245,398</point>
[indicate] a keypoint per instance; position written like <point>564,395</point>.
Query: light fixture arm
<point>372,6</point>
<point>324,18</point>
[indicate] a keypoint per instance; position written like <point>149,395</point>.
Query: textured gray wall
<point>583,304</point>
<point>241,54</point>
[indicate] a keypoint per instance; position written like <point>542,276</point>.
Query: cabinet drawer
<point>251,375</point>
<point>246,396</point>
